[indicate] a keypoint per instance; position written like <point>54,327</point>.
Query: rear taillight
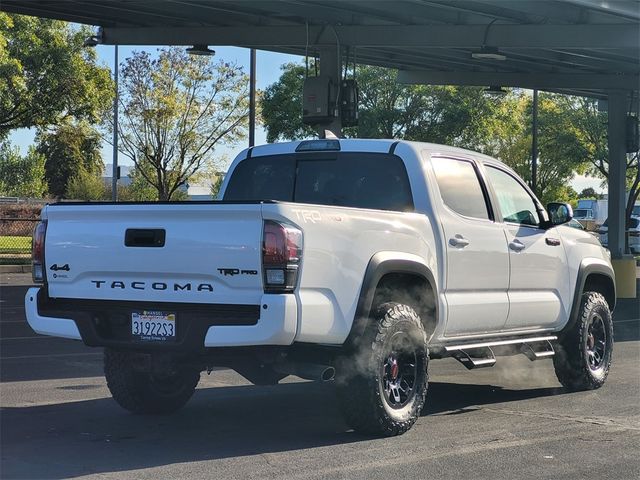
<point>37,252</point>
<point>281,255</point>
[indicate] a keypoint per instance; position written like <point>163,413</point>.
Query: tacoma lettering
<point>201,287</point>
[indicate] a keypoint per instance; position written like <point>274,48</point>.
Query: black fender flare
<point>381,264</point>
<point>588,267</point>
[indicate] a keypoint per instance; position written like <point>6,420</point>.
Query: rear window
<point>363,180</point>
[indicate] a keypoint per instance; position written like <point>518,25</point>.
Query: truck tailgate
<point>211,253</point>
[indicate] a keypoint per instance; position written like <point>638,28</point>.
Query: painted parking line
<point>630,320</point>
<point>29,338</point>
<point>53,355</point>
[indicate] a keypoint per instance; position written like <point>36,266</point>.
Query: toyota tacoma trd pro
<point>357,261</point>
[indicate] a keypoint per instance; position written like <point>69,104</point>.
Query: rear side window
<point>262,178</point>
<point>460,187</point>
<point>363,180</point>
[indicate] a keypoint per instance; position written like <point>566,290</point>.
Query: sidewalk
<point>15,269</point>
<point>15,278</point>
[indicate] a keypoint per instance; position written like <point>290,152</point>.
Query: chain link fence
<point>15,240</point>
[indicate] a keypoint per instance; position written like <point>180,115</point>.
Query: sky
<point>267,72</point>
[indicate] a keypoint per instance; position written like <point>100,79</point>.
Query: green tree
<point>216,184</point>
<point>591,127</point>
<point>439,114</point>
<point>281,106</point>
<point>176,109</point>
<point>21,176</point>
<point>46,75</point>
<point>138,190</point>
<point>68,149</point>
<point>589,193</point>
<point>86,185</point>
<point>559,156</point>
<point>387,109</point>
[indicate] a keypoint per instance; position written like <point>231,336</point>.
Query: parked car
<point>632,231</point>
<point>363,259</point>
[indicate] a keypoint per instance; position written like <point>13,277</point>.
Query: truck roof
<point>366,145</point>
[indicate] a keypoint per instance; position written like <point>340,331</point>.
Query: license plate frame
<point>153,326</point>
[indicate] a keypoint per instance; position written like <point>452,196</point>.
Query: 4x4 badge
<point>64,268</point>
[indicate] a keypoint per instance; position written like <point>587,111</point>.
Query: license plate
<point>153,326</point>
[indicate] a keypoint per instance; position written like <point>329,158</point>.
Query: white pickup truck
<point>353,260</point>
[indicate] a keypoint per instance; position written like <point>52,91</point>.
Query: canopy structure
<point>581,47</point>
<point>584,47</point>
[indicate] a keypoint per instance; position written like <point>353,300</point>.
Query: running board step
<point>476,358</point>
<point>478,355</point>
<point>537,351</point>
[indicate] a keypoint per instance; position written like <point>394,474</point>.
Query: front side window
<point>516,204</point>
<point>460,187</point>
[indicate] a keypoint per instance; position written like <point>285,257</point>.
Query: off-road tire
<point>576,368</point>
<point>360,374</point>
<point>142,392</point>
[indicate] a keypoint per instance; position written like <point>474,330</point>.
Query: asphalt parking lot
<point>57,420</point>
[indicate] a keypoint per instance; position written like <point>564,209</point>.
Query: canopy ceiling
<point>584,47</point>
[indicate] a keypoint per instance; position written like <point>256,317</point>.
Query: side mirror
<point>559,213</point>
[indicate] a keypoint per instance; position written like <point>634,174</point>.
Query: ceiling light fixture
<point>488,53</point>
<point>495,91</point>
<point>201,49</point>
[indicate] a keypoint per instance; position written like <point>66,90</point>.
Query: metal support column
<point>331,66</point>
<point>534,144</point>
<point>252,98</point>
<point>617,172</point>
<point>114,174</point>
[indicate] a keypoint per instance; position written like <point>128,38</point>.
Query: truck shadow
<point>96,436</point>
<point>453,398</point>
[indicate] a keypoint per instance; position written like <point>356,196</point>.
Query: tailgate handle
<point>144,237</point>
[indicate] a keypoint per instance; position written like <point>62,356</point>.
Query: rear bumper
<point>56,327</point>
<point>107,324</point>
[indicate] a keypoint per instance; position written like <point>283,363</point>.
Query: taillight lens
<point>281,255</point>
<point>37,252</point>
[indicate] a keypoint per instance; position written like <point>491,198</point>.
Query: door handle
<point>516,245</point>
<point>458,241</point>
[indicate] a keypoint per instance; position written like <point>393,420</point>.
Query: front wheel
<point>382,384</point>
<point>146,392</point>
<point>584,352</point>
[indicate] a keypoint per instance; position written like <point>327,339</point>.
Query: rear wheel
<point>584,353</point>
<point>148,392</point>
<point>382,385</point>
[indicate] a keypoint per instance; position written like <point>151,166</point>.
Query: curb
<point>15,268</point>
